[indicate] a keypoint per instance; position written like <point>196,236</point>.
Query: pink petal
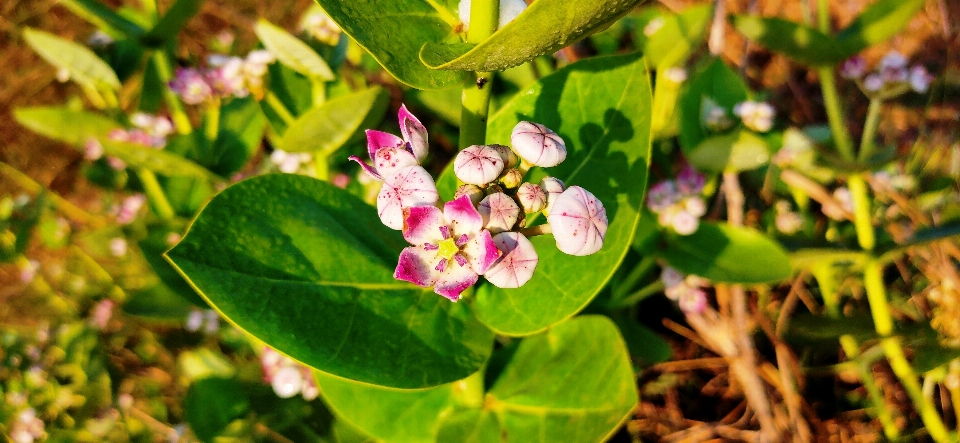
<point>481,251</point>
<point>462,216</point>
<point>421,225</point>
<point>455,279</point>
<point>366,168</point>
<point>377,140</point>
<point>478,165</point>
<point>390,160</point>
<point>417,266</point>
<point>579,222</point>
<point>499,212</point>
<point>413,133</point>
<point>515,267</point>
<point>538,145</point>
<point>408,187</point>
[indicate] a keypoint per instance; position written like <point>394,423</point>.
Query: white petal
<point>409,187</point>
<point>578,221</point>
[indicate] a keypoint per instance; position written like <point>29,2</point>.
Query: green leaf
<point>573,382</point>
<point>156,160</point>
<point>738,151</point>
<point>308,268</point>
<point>922,237</point>
<point>212,403</point>
<point>172,22</point>
<point>799,42</point>
<point>103,17</point>
<point>328,127</point>
<point>606,125</point>
<point>544,27</point>
<point>716,82</point>
<point>393,32</point>
<point>679,36</point>
<point>158,302</point>
<point>83,65</point>
<point>293,52</point>
<point>644,344</point>
<point>727,254</point>
<point>242,125</point>
<point>882,20</point>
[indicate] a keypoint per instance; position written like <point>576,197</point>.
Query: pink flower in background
<point>287,377</point>
<point>678,203</point>
<point>853,68</point>
<point>118,247</point>
<point>128,209</point>
<point>450,248</point>
<point>101,313</point>
<point>191,85</point>
<point>685,290</point>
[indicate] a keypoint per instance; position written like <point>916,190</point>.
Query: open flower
<point>191,85</point>
<point>478,165</point>
<point>518,261</point>
<point>409,187</point>
<point>538,145</point>
<point>578,221</point>
<point>678,203</point>
<point>450,248</point>
<point>390,153</point>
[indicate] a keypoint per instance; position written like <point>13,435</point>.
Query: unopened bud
<point>511,179</point>
<point>538,145</point>
<point>478,165</point>
<point>510,159</point>
<point>532,198</point>
<point>552,187</point>
<point>473,192</point>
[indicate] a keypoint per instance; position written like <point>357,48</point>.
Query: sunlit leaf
<point>878,22</point>
<point>796,41</point>
<point>328,127</point>
<point>737,151</point>
<point>79,61</point>
<point>727,254</point>
<point>292,51</point>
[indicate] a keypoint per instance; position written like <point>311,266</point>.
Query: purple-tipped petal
<point>481,251</point>
<point>478,165</point>
<point>462,216</point>
<point>499,212</point>
<point>417,266</point>
<point>377,140</point>
<point>517,263</point>
<point>578,221</point>
<point>408,187</point>
<point>413,133</point>
<point>421,225</point>
<point>455,279</point>
<point>390,160</point>
<point>538,145</point>
<point>367,168</point>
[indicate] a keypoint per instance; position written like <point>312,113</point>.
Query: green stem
<point>180,119</point>
<point>211,124</point>
<point>823,16</point>
<point>319,90</point>
<point>635,297</point>
<point>861,211</point>
<point>150,7</point>
<point>59,203</point>
<point>632,278</point>
<point>321,166</point>
<point>158,200</point>
<point>274,102</point>
<point>475,100</point>
<point>870,129</point>
<point>835,113</point>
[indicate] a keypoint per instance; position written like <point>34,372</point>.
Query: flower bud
<point>532,198</point>
<point>579,222</point>
<point>511,179</point>
<point>538,145</point>
<point>473,192</point>
<point>515,266</point>
<point>510,159</point>
<point>552,187</point>
<point>684,223</point>
<point>920,79</point>
<point>478,165</point>
<point>499,212</point>
<point>287,382</point>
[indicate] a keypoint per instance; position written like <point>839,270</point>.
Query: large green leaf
<point>573,382</point>
<point>292,51</point>
<point>796,41</point>
<point>716,82</point>
<point>307,268</point>
<point>212,403</point>
<point>329,126</point>
<point>737,151</point>
<point>727,254</point>
<point>543,28</point>
<point>882,20</point>
<point>394,31</point>
<point>104,18</point>
<point>679,36</point>
<point>79,61</point>
<point>601,108</point>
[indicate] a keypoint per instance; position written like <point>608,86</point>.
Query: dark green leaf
<point>882,20</point>
<point>292,52</point>
<point>738,151</point>
<point>308,268</point>
<point>328,127</point>
<point>644,344</point>
<point>172,22</point>
<point>716,82</point>
<point>796,41</point>
<point>605,121</point>
<point>544,27</point>
<point>241,132</point>
<point>79,61</point>
<point>727,254</point>
<point>679,36</point>
<point>103,17</point>
<point>212,403</point>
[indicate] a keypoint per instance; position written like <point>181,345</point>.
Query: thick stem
<point>180,119</point>
<point>870,129</point>
<point>158,200</point>
<point>475,101</point>
<point>823,16</point>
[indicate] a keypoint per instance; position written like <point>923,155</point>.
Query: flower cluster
<point>27,428</point>
<point>126,212</point>
<point>484,229</point>
<point>319,26</point>
<point>756,116</point>
<point>208,320</point>
<point>786,220</point>
<point>678,203</point>
<point>687,291</point>
<point>291,162</point>
<point>225,76</point>
<point>150,131</point>
<point>892,76</point>
<point>287,377</point>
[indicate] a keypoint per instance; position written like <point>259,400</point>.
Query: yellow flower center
<point>447,248</point>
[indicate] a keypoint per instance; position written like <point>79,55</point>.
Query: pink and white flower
<point>478,165</point>
<point>578,221</point>
<point>409,187</point>
<point>390,153</point>
<point>538,145</point>
<point>287,377</point>
<point>191,85</point>
<point>515,267</point>
<point>450,248</point>
<point>685,290</point>
<point>920,79</point>
<point>678,203</point>
<point>853,68</point>
<point>500,213</point>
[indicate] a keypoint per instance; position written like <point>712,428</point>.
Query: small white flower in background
<point>757,116</point>
<point>101,313</point>
<point>118,247</point>
<point>99,39</point>
<point>206,319</point>
<point>318,25</point>
<point>678,203</point>
<point>509,10</point>
<point>873,83</point>
<point>92,149</point>
<point>157,127</point>
<point>28,271</point>
<point>714,116</point>
<point>653,26</point>
<point>786,220</point>
<point>63,75</point>
<point>290,162</point>
<point>27,428</point>
<point>191,85</point>
<point>685,290</point>
<point>893,77</point>
<point>843,197</point>
<point>920,79</point>
<point>287,377</point>
<point>128,209</point>
<point>538,145</point>
<point>676,75</point>
<point>888,182</point>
